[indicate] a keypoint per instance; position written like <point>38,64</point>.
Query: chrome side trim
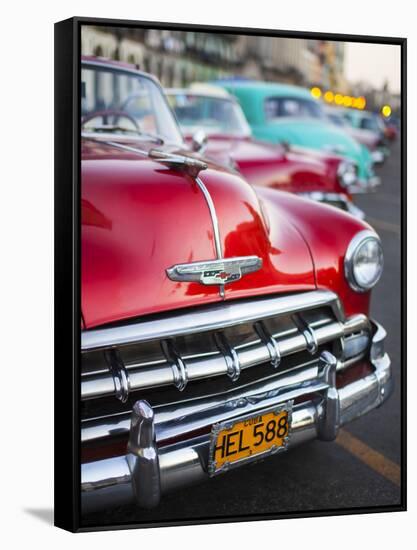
<point>215,223</point>
<point>206,318</point>
<point>213,214</point>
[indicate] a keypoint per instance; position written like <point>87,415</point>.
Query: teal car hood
<point>315,134</point>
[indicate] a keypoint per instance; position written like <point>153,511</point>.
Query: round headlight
<point>347,173</point>
<point>364,261</point>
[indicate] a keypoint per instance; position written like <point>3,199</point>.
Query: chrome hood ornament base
<point>215,272</point>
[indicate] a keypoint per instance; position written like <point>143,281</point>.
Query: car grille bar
<point>171,368</point>
<point>214,317</point>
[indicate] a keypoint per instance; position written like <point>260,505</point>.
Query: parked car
<point>366,136</point>
<point>221,323</point>
<point>282,113</point>
<point>313,174</point>
<point>391,129</point>
<point>365,120</point>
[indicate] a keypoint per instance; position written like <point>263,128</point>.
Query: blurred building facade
<point>178,58</point>
<point>376,98</point>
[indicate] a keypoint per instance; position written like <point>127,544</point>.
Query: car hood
<point>321,135</point>
<point>140,217</point>
<point>253,157</point>
<point>244,148</point>
<point>317,134</point>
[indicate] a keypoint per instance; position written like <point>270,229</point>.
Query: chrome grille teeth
<point>308,333</point>
<point>230,356</point>
<point>269,342</point>
<point>213,351</point>
<point>119,373</point>
<point>179,369</point>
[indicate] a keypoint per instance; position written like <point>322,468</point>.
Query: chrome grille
<point>221,340</point>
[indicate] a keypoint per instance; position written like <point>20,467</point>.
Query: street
<point>360,469</point>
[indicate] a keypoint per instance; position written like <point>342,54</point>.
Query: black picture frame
<point>67,267</point>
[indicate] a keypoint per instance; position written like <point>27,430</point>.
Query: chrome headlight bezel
<point>347,173</point>
<point>356,244</point>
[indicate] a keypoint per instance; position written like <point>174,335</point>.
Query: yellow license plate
<point>249,438</point>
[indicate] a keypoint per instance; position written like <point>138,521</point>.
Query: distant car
<point>368,137</point>
<point>321,176</point>
<point>365,120</point>
<point>284,113</point>
<point>391,129</point>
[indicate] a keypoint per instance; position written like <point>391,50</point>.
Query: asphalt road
<point>360,469</point>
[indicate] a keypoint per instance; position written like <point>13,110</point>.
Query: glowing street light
<point>360,103</point>
<point>386,111</point>
<point>316,92</point>
<point>339,99</point>
<point>329,96</point>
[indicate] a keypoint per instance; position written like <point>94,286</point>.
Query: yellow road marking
<point>385,226</point>
<point>375,460</point>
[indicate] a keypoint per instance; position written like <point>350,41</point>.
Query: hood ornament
<point>215,272</point>
<point>188,164</point>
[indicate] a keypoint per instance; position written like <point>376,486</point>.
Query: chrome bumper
<point>331,198</point>
<point>149,469</point>
<point>365,186</point>
<point>378,156</point>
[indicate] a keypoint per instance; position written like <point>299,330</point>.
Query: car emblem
<point>215,272</point>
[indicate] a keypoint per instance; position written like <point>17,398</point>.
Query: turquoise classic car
<point>289,114</point>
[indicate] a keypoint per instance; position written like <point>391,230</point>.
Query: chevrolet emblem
<point>215,272</point>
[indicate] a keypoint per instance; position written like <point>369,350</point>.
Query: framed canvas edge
<point>67,328</point>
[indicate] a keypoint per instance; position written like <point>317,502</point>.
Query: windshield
<point>125,104</point>
<point>278,107</point>
<point>337,119</point>
<point>213,115</point>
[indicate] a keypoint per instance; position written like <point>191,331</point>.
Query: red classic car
<point>314,174</point>
<point>222,323</point>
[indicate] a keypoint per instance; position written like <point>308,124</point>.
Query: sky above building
<point>374,64</point>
